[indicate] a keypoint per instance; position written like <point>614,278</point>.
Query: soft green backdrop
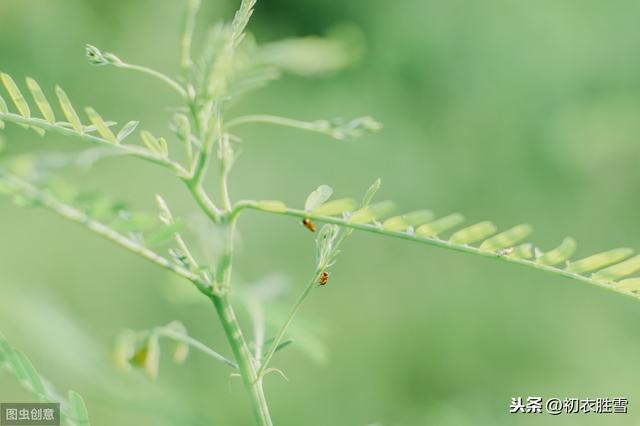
<point>511,111</point>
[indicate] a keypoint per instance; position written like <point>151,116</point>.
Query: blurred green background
<point>510,111</point>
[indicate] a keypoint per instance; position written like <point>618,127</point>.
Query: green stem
<point>294,310</point>
<point>173,335</point>
<point>189,24</point>
<point>205,203</point>
<point>77,216</point>
<point>243,356</point>
<point>278,121</point>
<point>132,150</point>
<point>160,76</point>
<point>431,241</point>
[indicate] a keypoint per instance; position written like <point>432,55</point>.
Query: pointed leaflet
<point>3,106</point>
<point>371,213</point>
<point>31,376</point>
<point>3,110</point>
<point>164,148</point>
<point>474,233</point>
<point>91,128</point>
<point>41,100</point>
<point>14,363</point>
<point>148,356</point>
<point>523,251</point>
<point>507,238</point>
<point>157,146</point>
<point>5,348</point>
<point>165,215</point>
<point>401,223</point>
<point>182,128</point>
<point>124,349</point>
<point>284,344</point>
<point>128,128</point>
<point>152,362</point>
<point>163,234</point>
<point>16,95</point>
<point>631,285</point>
<point>101,126</point>
<point>621,270</point>
<point>68,110</point>
<point>79,412</point>
<point>440,225</point>
<point>558,255</point>
<point>371,192</point>
<point>181,351</point>
<point>598,261</point>
<point>317,197</point>
<point>335,207</point>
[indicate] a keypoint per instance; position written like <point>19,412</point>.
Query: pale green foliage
<point>371,213</point>
<point>603,269</point>
<point>507,238</point>
<point>229,64</point>
<point>473,233</point>
<point>73,410</point>
<point>408,220</point>
<point>318,197</point>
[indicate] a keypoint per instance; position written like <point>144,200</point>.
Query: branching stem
<point>432,241</point>
<point>77,216</point>
<point>244,358</point>
<point>132,150</point>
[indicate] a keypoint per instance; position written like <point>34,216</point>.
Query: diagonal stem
<point>244,358</point>
<point>283,330</point>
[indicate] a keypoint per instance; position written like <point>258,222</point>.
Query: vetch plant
<point>231,64</point>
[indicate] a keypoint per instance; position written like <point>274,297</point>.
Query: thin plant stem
<point>292,313</point>
<point>274,119</point>
<point>157,74</point>
<point>189,24</point>
<point>431,241</point>
<point>196,344</point>
<point>204,202</point>
<point>77,216</point>
<point>132,150</point>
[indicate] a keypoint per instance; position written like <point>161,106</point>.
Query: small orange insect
<point>306,222</point>
<point>324,277</point>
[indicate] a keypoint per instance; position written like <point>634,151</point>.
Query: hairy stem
<point>243,356</point>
